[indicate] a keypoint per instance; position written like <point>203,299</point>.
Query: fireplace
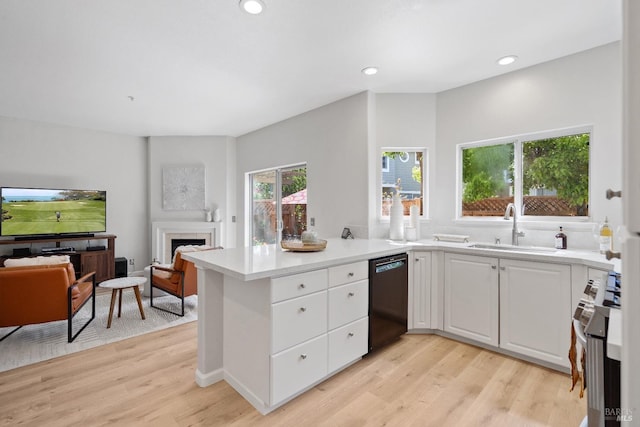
<point>175,243</point>
<point>165,232</point>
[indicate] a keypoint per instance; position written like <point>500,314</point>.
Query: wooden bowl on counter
<point>299,246</point>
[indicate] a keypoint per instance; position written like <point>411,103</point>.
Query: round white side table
<point>116,286</point>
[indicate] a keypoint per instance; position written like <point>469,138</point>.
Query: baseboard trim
<point>205,380</point>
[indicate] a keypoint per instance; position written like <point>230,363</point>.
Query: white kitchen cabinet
<point>298,319</point>
<point>347,273</point>
<point>319,324</point>
<point>348,303</point>
<point>348,343</point>
<point>420,291</point>
<point>471,297</point>
<point>298,367</point>
<point>535,309</point>
<point>348,329</point>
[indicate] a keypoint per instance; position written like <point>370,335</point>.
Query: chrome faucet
<point>514,233</point>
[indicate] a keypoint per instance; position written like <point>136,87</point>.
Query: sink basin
<point>512,248</point>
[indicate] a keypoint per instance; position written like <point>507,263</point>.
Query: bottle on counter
<point>606,237</point>
<point>561,240</point>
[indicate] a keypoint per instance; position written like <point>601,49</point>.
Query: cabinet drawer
<point>348,303</point>
<point>348,273</point>
<point>297,368</point>
<point>297,320</point>
<point>297,285</point>
<point>348,343</point>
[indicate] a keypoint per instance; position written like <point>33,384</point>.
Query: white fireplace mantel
<point>163,231</point>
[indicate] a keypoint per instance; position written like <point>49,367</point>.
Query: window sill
<point>549,223</point>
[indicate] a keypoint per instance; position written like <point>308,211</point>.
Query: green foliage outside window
<point>487,171</point>
<point>562,164</point>
<point>559,165</point>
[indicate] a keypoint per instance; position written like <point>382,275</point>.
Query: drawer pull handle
<point>301,286</point>
<point>350,274</point>
<point>303,356</point>
<point>303,309</point>
<point>350,294</point>
<point>350,334</point>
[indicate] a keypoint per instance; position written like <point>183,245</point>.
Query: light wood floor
<point>421,380</point>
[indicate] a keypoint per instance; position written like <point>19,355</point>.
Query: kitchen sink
<point>511,248</point>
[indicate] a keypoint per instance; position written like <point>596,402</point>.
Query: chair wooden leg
<point>137,292</point>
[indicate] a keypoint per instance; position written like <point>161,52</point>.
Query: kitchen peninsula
<point>273,323</point>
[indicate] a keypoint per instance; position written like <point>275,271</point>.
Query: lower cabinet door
<point>535,309</point>
<point>348,303</point>
<point>348,343</point>
<point>297,320</point>
<point>297,368</point>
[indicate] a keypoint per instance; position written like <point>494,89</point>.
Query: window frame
<point>249,183</point>
<point>426,206</point>
<point>518,141</point>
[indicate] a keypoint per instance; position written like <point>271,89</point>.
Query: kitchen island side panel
<point>247,332</point>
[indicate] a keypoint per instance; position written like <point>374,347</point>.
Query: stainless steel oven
<point>602,373</point>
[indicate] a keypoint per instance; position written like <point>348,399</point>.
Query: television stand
<point>41,237</point>
<point>84,261</point>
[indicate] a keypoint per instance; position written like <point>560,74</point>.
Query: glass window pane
<point>263,231</point>
<point>399,173</point>
<point>487,179</point>
<point>294,202</point>
<point>556,176</point>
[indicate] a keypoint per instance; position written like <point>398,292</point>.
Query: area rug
<point>35,343</point>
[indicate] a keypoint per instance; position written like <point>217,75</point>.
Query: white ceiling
<point>204,67</point>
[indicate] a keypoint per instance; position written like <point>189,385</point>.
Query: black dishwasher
<point>388,295</point>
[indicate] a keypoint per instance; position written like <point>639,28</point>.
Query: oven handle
<point>577,326</point>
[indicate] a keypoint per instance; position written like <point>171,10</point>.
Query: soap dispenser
<point>561,240</point>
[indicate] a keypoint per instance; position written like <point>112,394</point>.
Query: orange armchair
<point>44,293</point>
<point>179,280</point>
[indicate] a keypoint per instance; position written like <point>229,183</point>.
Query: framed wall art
<point>183,188</point>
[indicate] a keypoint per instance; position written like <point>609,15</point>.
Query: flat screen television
<point>37,212</point>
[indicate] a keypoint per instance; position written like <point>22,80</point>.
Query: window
<point>545,175</point>
<point>399,174</point>
<point>278,204</point>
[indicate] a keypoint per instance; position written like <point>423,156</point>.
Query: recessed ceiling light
<point>370,71</point>
<point>506,60</point>
<point>254,7</point>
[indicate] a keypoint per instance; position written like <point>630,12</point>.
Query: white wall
<point>217,155</point>
<point>405,121</point>
<point>35,154</point>
<point>340,143</point>
<point>582,89</point>
<point>332,140</point>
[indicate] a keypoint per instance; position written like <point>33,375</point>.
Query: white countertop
<point>257,262</point>
<point>250,263</point>
<point>614,334</point>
